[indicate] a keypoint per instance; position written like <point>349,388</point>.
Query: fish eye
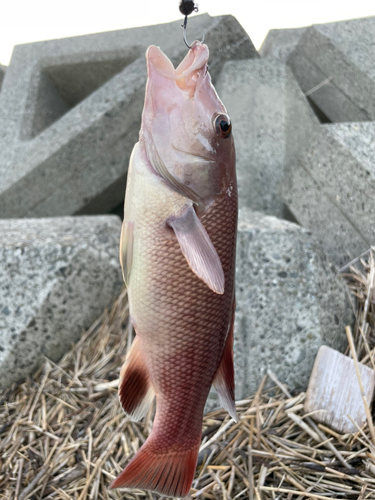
<point>222,125</point>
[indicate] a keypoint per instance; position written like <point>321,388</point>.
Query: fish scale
<point>194,325</point>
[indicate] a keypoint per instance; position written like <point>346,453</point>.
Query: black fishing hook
<point>186,8</point>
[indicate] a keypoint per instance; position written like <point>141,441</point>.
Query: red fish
<point>177,253</point>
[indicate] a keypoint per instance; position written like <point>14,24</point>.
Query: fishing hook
<point>186,8</point>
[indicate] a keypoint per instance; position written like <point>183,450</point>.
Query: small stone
<point>334,391</point>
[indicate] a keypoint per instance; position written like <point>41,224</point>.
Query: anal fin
<point>224,377</point>
<point>135,390</point>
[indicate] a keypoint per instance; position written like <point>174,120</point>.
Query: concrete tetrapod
<point>70,113</point>
<point>57,276</point>
<point>290,301</point>
<point>272,121</point>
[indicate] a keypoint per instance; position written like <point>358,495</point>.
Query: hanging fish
<point>177,253</point>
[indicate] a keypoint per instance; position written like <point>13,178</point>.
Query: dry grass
<point>64,436</point>
<point>360,278</point>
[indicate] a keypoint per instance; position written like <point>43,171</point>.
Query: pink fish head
<point>186,131</point>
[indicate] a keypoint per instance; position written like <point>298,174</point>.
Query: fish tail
<point>170,474</point>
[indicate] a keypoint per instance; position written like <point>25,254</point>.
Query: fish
<point>177,252</point>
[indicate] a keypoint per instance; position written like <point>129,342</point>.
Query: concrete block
<point>330,189</point>
<point>70,113</point>
<point>340,54</point>
<point>2,74</point>
<point>271,122</point>
<point>290,301</point>
<point>278,44</point>
<point>56,277</point>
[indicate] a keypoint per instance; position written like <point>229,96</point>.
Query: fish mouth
<point>195,60</point>
<point>186,73</point>
<point>160,62</point>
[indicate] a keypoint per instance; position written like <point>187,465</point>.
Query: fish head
<point>186,131</point>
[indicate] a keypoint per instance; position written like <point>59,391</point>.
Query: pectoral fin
<point>224,377</point>
<point>126,249</point>
<point>198,249</point>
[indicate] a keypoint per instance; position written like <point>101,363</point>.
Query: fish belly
<point>182,325</point>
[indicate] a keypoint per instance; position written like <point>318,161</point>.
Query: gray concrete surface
<point>278,44</point>
<point>328,184</point>
<point>330,189</point>
<point>271,120</point>
<point>2,74</point>
<point>57,276</point>
<point>290,301</point>
<point>342,52</point>
<point>70,113</point>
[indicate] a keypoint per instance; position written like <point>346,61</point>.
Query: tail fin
<point>169,474</point>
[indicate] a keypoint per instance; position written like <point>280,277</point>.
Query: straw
<point>63,434</point>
